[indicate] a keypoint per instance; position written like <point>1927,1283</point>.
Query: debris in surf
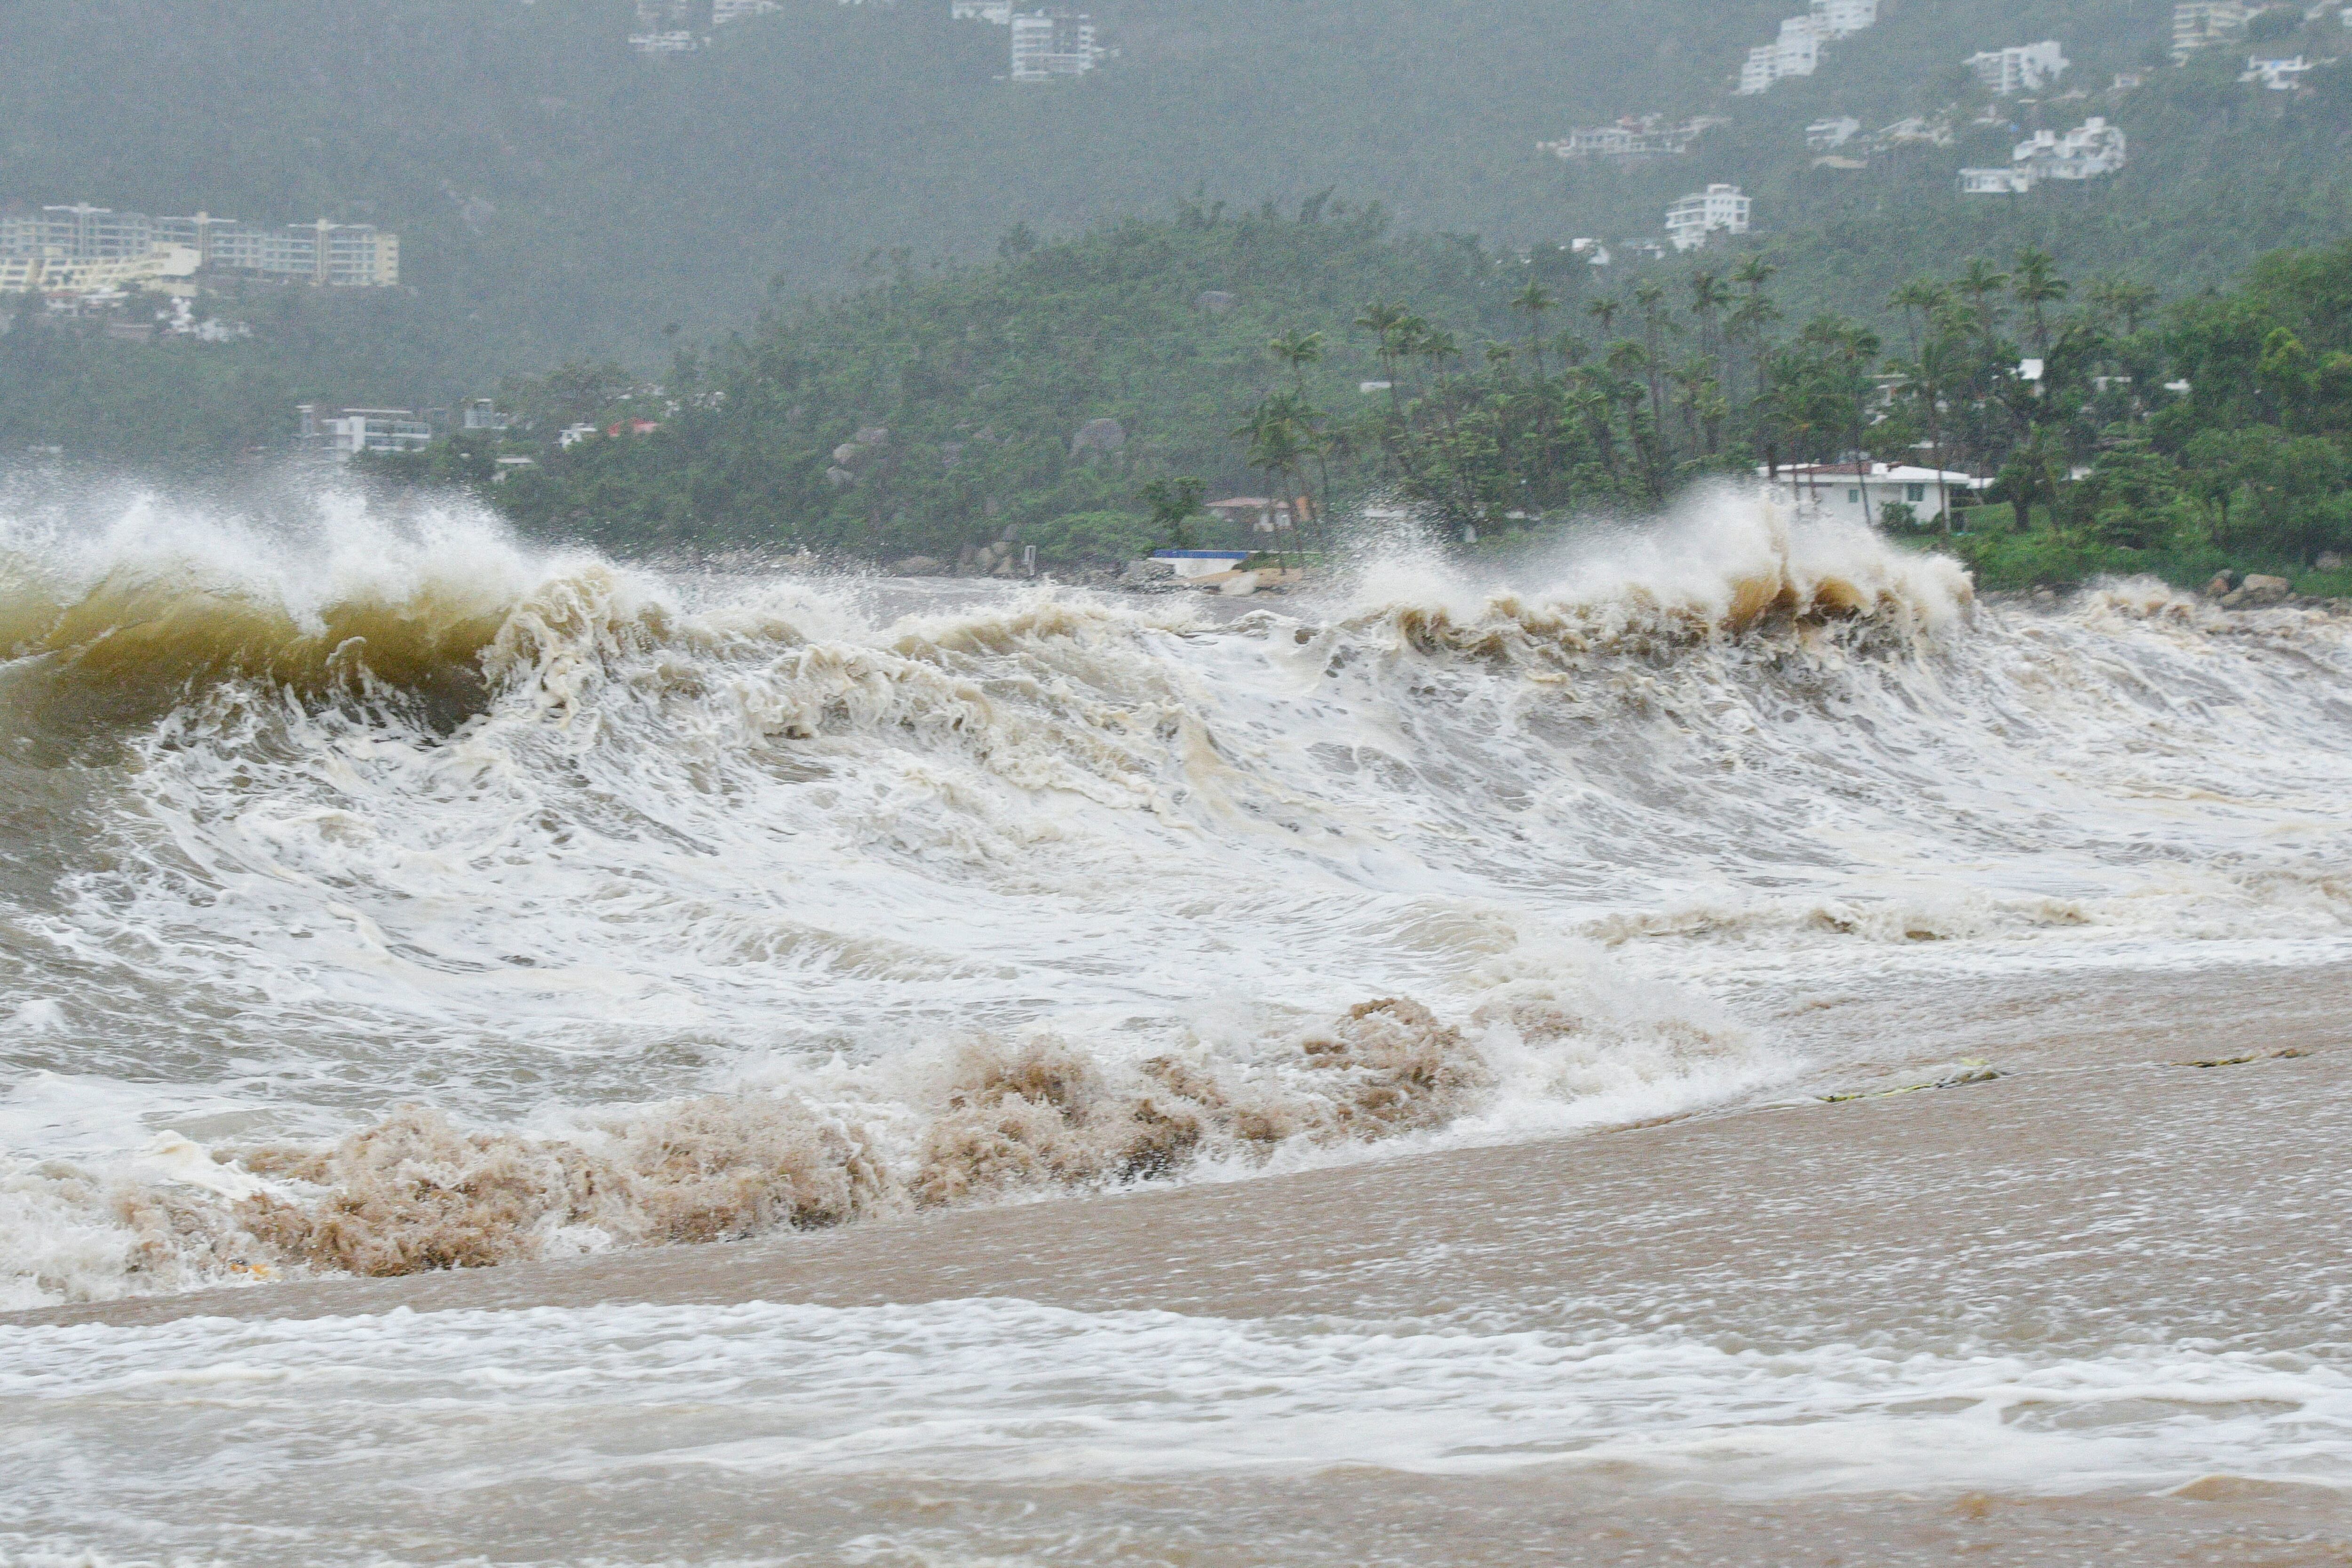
<point>1971,1071</point>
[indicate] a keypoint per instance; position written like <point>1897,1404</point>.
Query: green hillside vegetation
<point>1309,353</point>
<point>561,198</point>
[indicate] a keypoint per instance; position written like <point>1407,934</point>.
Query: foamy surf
<point>452,903</point>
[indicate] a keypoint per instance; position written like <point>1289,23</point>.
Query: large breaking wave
<point>389,896</point>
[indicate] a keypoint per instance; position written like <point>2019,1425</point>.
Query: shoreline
<point>1132,1249</point>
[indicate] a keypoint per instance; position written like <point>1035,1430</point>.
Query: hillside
<point>561,197</point>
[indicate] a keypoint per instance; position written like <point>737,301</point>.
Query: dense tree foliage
<point>1062,394</point>
<point>560,198</point>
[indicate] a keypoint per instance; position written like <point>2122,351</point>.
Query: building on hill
<point>997,11</point>
<point>1861,492</point>
<point>1797,52</point>
<point>725,11</point>
<point>2021,68</point>
<point>2091,151</point>
<point>331,254</point>
<point>1835,19</point>
<point>160,269</point>
<point>342,432</point>
<point>1647,137</point>
<point>1825,135</point>
<point>2278,76</point>
<point>1914,131</point>
<point>2198,23</point>
<point>1052,44</point>
<point>1717,209</point>
<point>1996,181</point>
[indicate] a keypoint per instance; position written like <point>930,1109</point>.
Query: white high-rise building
<point>1054,44</point>
<point>1843,18</point>
<point>997,11</point>
<point>2021,68</point>
<point>2198,23</point>
<point>1718,208</point>
<point>338,255</point>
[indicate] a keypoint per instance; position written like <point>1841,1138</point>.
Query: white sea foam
<point>680,907</point>
<point>290,1435</point>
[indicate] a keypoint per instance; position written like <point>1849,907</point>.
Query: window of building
<point>1914,492</point>
<point>1851,496</point>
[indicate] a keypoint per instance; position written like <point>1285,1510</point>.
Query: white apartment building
<point>163,269</point>
<point>1797,52</point>
<point>1054,44</point>
<point>2009,181</point>
<point>2092,149</point>
<point>725,11</point>
<point>1648,137</point>
<point>2198,23</point>
<point>331,254</point>
<point>1826,135</point>
<point>344,431</point>
<point>997,11</point>
<point>2021,68</point>
<point>1718,208</point>
<point>1835,19</point>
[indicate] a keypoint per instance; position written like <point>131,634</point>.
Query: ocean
<point>1710,1042</point>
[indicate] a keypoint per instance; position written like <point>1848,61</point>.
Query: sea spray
<point>481,903</point>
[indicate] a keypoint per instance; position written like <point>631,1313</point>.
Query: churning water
<point>386,895</point>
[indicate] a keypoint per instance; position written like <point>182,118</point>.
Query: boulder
<point>840,479</point>
<point>2329,560</point>
<point>2220,587</point>
<point>1216,301</point>
<point>916,566</point>
<point>2260,590</point>
<point>847,454</point>
<point>874,435</point>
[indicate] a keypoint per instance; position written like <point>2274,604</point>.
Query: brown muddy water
<point>1718,1049</point>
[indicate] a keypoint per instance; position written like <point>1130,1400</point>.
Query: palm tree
<point>1979,282</point>
<point>2117,299</point>
<point>1603,310</point>
<point>2036,284</point>
<point>1650,295</point>
<point>1755,313</point>
<point>1709,294</point>
<point>1919,300</point>
<point>1299,349</point>
<point>1535,299</point>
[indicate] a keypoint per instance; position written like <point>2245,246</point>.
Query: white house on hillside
<point>2021,68</point>
<point>1703,212</point>
<point>1861,492</point>
<point>2279,75</point>
<point>2090,150</point>
<point>1824,135</point>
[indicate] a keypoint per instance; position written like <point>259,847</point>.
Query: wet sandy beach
<point>2102,1201</point>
